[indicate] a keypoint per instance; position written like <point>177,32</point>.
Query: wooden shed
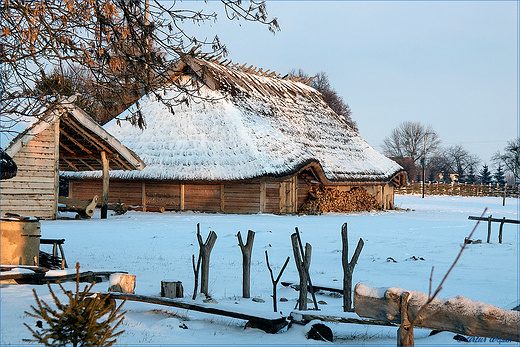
<point>61,138</point>
<point>248,141</point>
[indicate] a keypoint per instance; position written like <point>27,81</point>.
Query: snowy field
<point>156,246</point>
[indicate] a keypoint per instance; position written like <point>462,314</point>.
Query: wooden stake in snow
<point>405,331</point>
<point>303,260</point>
<point>348,268</point>
<point>275,282</point>
<point>246,262</point>
<point>205,251</point>
<point>196,273</point>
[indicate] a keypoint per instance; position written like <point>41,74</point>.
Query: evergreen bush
<point>86,320</point>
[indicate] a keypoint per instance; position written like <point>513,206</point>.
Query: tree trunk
<point>246,262</point>
<point>459,314</point>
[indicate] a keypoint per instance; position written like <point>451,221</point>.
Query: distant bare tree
<point>118,45</point>
<point>460,160</point>
<point>322,84</point>
<point>407,140</point>
<point>452,160</point>
<point>510,158</point>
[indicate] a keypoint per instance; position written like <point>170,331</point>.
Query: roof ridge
<point>251,79</point>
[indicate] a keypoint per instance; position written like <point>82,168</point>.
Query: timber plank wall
<point>240,197</point>
<point>283,197</point>
<point>33,191</point>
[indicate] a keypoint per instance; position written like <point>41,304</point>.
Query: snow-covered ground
<point>156,247</point>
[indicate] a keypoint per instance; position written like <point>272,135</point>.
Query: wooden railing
<point>461,189</point>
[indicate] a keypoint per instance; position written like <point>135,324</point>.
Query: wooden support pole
<point>500,230</point>
<point>246,262</point>
<point>205,251</point>
<point>275,281</point>
<point>489,229</point>
<point>405,331</point>
<point>348,268</point>
<point>104,196</point>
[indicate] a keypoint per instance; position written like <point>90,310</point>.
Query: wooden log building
<point>60,138</point>
<point>247,141</point>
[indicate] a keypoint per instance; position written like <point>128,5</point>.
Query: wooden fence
<point>461,189</point>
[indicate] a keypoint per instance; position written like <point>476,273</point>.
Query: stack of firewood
<point>322,200</point>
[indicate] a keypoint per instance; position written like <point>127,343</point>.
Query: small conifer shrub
<point>86,320</point>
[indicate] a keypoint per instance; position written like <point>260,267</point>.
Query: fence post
<point>500,230</point>
<point>489,228</point>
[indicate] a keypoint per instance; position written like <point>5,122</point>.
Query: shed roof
<point>245,124</point>
<point>81,140</point>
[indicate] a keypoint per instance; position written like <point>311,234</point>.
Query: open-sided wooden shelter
<point>62,138</point>
<point>249,141</point>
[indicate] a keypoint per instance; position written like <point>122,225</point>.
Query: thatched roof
<point>245,124</point>
<point>81,139</point>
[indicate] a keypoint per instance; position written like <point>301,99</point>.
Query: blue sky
<point>451,64</point>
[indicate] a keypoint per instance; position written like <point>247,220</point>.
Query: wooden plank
<point>262,196</point>
<point>181,202</point>
<point>270,323</point>
<point>485,219</point>
<point>304,317</point>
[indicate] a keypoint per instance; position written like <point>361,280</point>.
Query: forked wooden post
<point>246,262</point>
<point>302,259</point>
<point>405,331</point>
<point>348,268</point>
<point>275,281</point>
<point>205,251</point>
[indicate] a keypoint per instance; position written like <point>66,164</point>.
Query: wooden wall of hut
<point>281,197</point>
<point>34,190</point>
<point>232,197</point>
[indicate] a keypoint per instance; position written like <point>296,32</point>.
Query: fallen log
<point>147,208</point>
<point>268,323</point>
<point>459,314</point>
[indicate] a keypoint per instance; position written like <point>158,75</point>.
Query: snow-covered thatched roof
<point>245,124</point>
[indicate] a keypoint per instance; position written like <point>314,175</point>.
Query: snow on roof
<point>266,127</point>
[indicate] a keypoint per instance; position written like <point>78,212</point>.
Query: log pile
<point>323,200</point>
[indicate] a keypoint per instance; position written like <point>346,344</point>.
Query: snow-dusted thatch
<point>245,126</point>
